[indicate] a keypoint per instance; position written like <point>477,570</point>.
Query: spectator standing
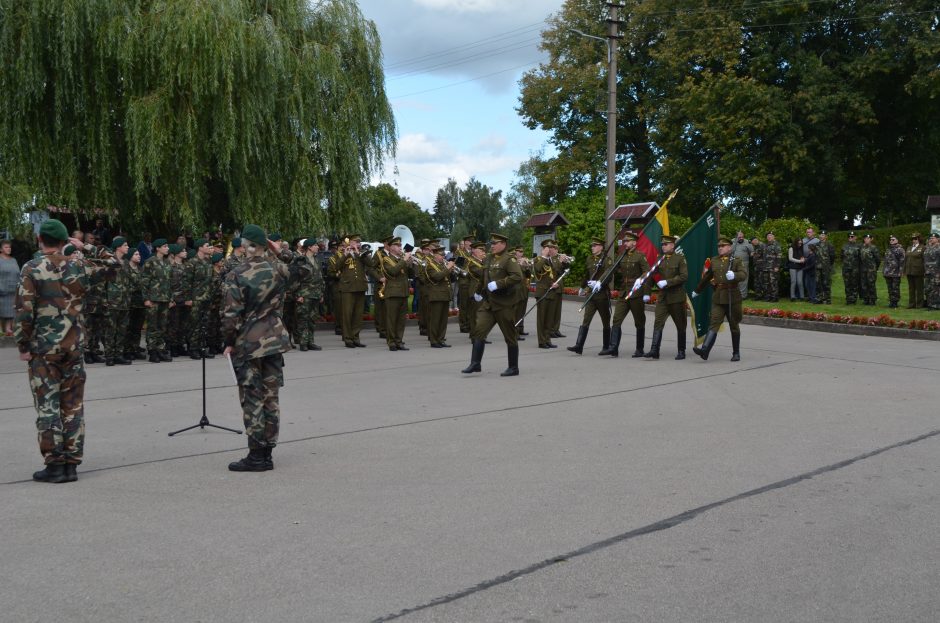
<point>742,250</point>
<point>914,271</point>
<point>796,262</point>
<point>9,280</point>
<point>809,273</point>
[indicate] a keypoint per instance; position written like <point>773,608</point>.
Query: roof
<point>634,211</point>
<point>933,202</point>
<point>546,219</point>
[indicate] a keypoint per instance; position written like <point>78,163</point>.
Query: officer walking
<point>673,273</point>
<point>723,274</point>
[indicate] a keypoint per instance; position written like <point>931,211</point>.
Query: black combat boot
<point>254,462</point>
<point>195,354</point>
<point>71,473</point>
<point>155,357</point>
<point>735,347</point>
<point>109,361</point>
<point>654,345</point>
<point>54,472</point>
<point>165,355</point>
<point>122,360</point>
<point>268,461</point>
<point>605,338</point>
<point>640,337</point>
<point>706,347</point>
<point>513,369</point>
<point>313,346</point>
<point>579,342</point>
<point>476,357</point>
<point>303,348</point>
<point>613,343</point>
<point>681,338</point>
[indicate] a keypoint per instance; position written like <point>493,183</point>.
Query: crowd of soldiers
<point>919,264</point>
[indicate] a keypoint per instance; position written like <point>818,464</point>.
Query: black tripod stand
<point>204,420</point>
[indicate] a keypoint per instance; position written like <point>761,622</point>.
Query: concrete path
<point>800,484</point>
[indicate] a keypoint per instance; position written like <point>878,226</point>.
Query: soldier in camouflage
<point>308,293</point>
<point>757,269</point>
<point>48,334</point>
<point>825,266</point>
<point>770,277</point>
<point>214,333</point>
<point>256,339</point>
<point>894,264</point>
<point>932,271</point>
<point>869,258</point>
<point>178,320</point>
<point>851,269</point>
<point>94,315</point>
<point>136,311</point>
<point>155,283</point>
<point>234,257</point>
<point>198,280</point>
<point>117,302</point>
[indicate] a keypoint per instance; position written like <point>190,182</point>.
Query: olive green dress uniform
<point>670,302</point>
<point>352,286</point>
<point>497,308</point>
<point>374,272</point>
<point>914,271</point>
<point>396,298</point>
<point>156,286</point>
<point>523,302</point>
<point>555,329</point>
<point>474,270</point>
<point>545,273</point>
<point>438,293</point>
<point>599,303</point>
<point>464,292</point>
<point>633,266</point>
<point>726,301</point>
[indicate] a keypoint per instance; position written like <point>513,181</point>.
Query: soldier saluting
<point>723,273</point>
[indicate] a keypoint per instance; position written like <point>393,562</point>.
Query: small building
<point>636,215</point>
<point>545,225</point>
<point>933,207</point>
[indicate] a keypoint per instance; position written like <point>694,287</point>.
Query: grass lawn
<point>838,305</point>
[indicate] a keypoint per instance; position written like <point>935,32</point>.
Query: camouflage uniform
<point>771,270</point>
<point>95,318</point>
<point>198,279</point>
<point>869,259</point>
<point>825,266</point>
<point>757,270</point>
<point>932,271</point>
<point>178,317</point>
<point>894,262</point>
<point>117,301</point>
<point>48,326</point>
<point>253,327</point>
<point>311,287</point>
<point>217,299</point>
<point>851,271</point>
<point>136,312</point>
<point>155,283</point>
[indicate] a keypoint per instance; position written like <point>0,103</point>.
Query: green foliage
<point>385,209</point>
<point>820,110</point>
<point>679,224</point>
<point>480,210</point>
<point>785,230</point>
<point>193,112</point>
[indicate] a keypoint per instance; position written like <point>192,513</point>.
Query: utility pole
<point>613,36</point>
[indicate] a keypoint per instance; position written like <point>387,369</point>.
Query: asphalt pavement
<point>799,484</point>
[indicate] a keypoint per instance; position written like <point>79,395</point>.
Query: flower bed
<point>882,320</point>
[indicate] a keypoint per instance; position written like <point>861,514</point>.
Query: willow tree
<point>191,112</point>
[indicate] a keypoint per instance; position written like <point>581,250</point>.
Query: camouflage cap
<point>255,234</point>
<point>55,229</point>
<point>117,242</point>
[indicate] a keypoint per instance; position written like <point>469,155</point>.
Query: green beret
<point>200,242</point>
<point>68,250</point>
<point>275,237</point>
<point>236,242</point>
<point>217,257</point>
<point>159,242</point>
<point>53,228</point>
<point>934,235</point>
<point>175,249</point>
<point>254,234</point>
<point>118,241</point>
<point>309,242</point>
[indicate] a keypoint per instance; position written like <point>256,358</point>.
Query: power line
<point>454,84</point>
<point>521,45</point>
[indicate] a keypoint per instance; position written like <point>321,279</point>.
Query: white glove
<point>729,275</point>
<point>595,285</point>
<point>661,283</point>
<point>694,294</point>
<point>477,297</point>
<point>491,286</point>
<point>591,284</point>
<point>646,298</point>
<point>638,283</point>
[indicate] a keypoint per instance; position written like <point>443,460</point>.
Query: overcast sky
<point>452,69</point>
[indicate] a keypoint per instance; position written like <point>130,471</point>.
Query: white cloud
<point>494,144</point>
<point>460,6</point>
<point>420,148</point>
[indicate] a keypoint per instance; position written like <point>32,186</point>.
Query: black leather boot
<point>654,345</point>
<point>155,357</point>
<point>71,472</point>
<point>681,340</point>
<point>109,361</point>
<point>513,369</point>
<point>735,347</point>
<point>579,342</point>
<point>254,462</point>
<point>613,348</point>
<point>122,360</point>
<point>54,472</point>
<point>475,357</point>
<point>640,338</point>
<point>706,347</point>
<point>605,338</point>
<point>165,355</point>
<point>268,461</point>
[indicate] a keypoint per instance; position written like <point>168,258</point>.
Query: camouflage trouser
<point>933,292</point>
<point>58,386</point>
<point>894,289</point>
<point>157,315</point>
<point>757,283</point>
<point>599,304</point>
<point>197,331</point>
<point>135,322</point>
<point>770,282</point>
<point>115,332</point>
<point>289,316</point>
<point>306,319</point>
<point>94,328</point>
<point>215,326</point>
<point>823,284</point>
<point>177,328</point>
<point>635,305</point>
<point>868,286</point>
<point>258,383</point>
<point>852,284</point>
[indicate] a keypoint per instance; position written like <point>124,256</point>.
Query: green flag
<point>698,245</point>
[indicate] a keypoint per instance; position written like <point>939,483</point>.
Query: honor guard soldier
<point>375,274</point>
<point>48,335</point>
<point>475,268</point>
<point>632,268</point>
<point>501,276</point>
<point>597,266</point>
<point>560,263</point>
<point>421,284</point>
<point>673,273</point>
<point>156,285</point>
<point>547,291</point>
<point>724,273</point>
<point>394,291</point>
<point>437,274</point>
<point>332,273</point>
